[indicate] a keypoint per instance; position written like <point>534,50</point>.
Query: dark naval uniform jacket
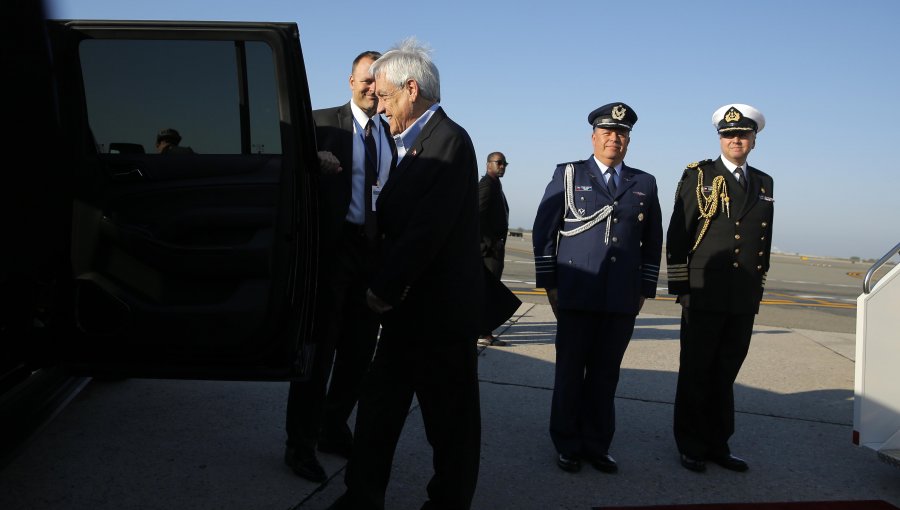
<point>727,271</point>
<point>590,274</point>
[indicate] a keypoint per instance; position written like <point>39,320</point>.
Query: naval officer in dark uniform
<point>597,245</point>
<point>717,253</point>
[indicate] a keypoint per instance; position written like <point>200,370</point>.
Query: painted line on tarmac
<point>844,285</point>
<point>787,300</point>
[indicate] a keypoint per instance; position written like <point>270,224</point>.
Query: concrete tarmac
<point>162,444</point>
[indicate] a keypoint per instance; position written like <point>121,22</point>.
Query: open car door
<point>198,262</point>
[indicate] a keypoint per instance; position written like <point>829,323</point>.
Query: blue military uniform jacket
<point>589,273</point>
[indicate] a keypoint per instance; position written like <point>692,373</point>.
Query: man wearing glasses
<point>428,221</point>
<point>494,223</point>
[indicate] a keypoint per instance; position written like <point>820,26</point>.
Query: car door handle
<point>130,175</point>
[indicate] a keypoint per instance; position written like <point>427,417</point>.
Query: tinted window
<point>135,88</point>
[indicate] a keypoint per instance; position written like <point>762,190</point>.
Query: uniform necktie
<point>611,182</point>
<point>739,175</point>
<point>371,178</point>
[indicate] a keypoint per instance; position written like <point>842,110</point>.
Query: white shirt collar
<point>617,169</point>
<point>361,118</point>
<point>732,167</point>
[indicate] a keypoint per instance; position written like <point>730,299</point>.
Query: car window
<point>136,88</point>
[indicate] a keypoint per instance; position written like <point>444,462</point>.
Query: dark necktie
<point>371,225</point>
<point>611,182</point>
<point>739,175</point>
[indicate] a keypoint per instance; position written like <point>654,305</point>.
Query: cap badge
<point>732,115</point>
<point>618,112</point>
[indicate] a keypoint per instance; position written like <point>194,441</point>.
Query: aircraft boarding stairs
<point>876,404</point>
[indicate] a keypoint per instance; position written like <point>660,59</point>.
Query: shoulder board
<point>697,164</point>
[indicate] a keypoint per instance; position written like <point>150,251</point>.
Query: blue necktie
<point>611,182</point>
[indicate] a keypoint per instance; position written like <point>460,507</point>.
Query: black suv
<point>122,260</point>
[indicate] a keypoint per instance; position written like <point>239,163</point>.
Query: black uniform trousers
<point>713,348</point>
<point>442,372</point>
<point>348,341</point>
<point>589,351</point>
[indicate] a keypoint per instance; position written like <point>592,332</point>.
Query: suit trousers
<point>713,348</point>
<point>494,264</point>
<point>590,346</point>
<point>441,371</point>
<point>347,340</point>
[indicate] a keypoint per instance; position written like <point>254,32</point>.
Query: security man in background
<point>597,245</point>
<point>717,252</point>
<point>494,225</point>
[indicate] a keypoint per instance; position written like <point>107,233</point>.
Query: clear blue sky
<point>521,77</point>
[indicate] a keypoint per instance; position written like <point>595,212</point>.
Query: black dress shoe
<point>305,466</point>
<point>693,463</point>
<point>605,463</point>
<point>731,462</point>
<point>568,463</point>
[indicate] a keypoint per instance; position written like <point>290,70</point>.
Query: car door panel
<point>195,264</point>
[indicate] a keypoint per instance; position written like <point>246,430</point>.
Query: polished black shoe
<point>605,463</point>
<point>568,463</point>
<point>305,466</point>
<point>693,463</point>
<point>731,462</point>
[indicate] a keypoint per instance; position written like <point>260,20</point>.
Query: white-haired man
<point>431,266</point>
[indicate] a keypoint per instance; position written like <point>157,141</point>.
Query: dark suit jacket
<point>334,133</point>
<point>428,216</point>
<point>727,272</point>
<point>494,212</point>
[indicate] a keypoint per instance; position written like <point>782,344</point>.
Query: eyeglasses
<point>500,162</point>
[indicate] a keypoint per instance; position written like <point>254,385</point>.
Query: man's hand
<point>553,297</point>
<point>328,163</point>
<point>376,304</point>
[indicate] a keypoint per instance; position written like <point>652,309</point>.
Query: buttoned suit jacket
<point>588,273</point>
<point>727,272</point>
<point>493,214</point>
<point>428,217</point>
<point>334,133</point>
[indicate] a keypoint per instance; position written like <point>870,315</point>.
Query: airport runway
<point>160,444</point>
<point>801,292</point>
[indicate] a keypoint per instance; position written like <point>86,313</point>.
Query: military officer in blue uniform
<point>717,254</point>
<point>597,247</point>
